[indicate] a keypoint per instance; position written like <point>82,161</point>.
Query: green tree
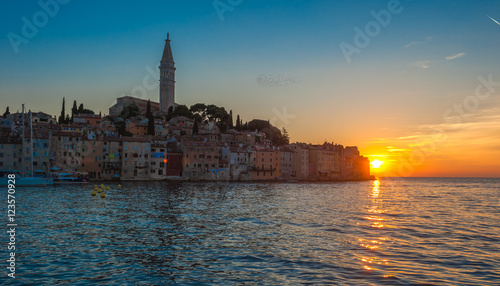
<point>129,111</point>
<point>238,122</point>
<point>74,110</point>
<point>170,113</point>
<point>195,127</point>
<point>281,138</point>
<point>108,118</point>
<point>148,109</point>
<point>231,126</point>
<point>199,110</point>
<point>62,117</point>
<point>122,129</point>
<point>151,125</point>
<point>80,108</point>
<point>151,120</point>
<point>211,108</point>
<point>182,110</point>
<point>7,112</point>
<point>87,111</point>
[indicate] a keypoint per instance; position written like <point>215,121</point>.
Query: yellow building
<point>266,164</point>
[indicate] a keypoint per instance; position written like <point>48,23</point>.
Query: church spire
<point>167,51</point>
<point>167,78</point>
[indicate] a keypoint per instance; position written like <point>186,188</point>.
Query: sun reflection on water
<point>373,245</point>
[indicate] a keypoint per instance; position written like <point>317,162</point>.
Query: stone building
<point>301,160</point>
<point>266,164</point>
<point>65,148</point>
<point>124,101</point>
<point>111,158</point>
<point>167,78</point>
<point>136,158</point>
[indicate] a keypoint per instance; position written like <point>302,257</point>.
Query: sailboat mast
<point>22,146</point>
<point>31,142</point>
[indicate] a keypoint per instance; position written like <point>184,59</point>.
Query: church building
<point>167,78</point>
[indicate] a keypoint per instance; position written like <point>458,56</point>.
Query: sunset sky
<point>418,89</point>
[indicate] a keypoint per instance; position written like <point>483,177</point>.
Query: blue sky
<point>262,59</point>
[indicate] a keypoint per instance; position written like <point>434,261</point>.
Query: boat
<point>66,178</point>
<point>23,180</point>
<point>26,181</point>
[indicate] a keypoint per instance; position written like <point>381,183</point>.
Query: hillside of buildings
<point>137,141</point>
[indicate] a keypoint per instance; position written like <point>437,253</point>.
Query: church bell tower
<point>167,78</point>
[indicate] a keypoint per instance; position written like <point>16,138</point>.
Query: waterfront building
<point>158,170</point>
<point>287,163</point>
<point>201,161</point>
<point>136,158</point>
<point>301,160</point>
<point>174,161</point>
<point>10,154</point>
<point>266,164</point>
<point>65,148</point>
<point>111,158</point>
<point>239,160</point>
<point>354,166</point>
<point>326,161</point>
<point>91,157</point>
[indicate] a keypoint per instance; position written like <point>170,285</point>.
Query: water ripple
<point>388,232</point>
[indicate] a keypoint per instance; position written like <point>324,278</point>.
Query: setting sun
<point>376,164</point>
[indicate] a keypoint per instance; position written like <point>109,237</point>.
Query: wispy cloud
<point>414,43</point>
<point>421,64</point>
<point>456,56</point>
<point>493,20</point>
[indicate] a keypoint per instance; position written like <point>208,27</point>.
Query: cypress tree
<point>231,119</point>
<point>151,120</point>
<point>195,127</point>
<point>74,111</point>
<point>62,117</point>
<point>7,112</point>
<point>148,109</point>
<point>238,123</point>
<point>80,108</point>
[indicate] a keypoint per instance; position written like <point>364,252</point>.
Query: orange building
<point>266,164</point>
<point>137,128</point>
<point>87,119</point>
